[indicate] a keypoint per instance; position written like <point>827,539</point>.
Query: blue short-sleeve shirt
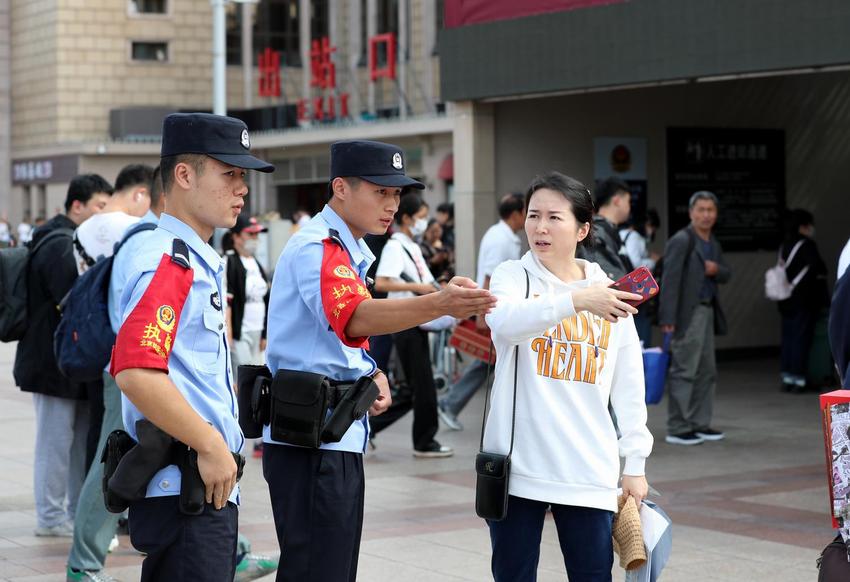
<point>299,334</point>
<point>199,364</point>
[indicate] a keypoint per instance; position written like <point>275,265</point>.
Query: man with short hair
<point>94,240</point>
<point>613,206</point>
<point>61,413</point>
<point>499,244</point>
<point>170,357</point>
<point>321,315</point>
<point>690,310</point>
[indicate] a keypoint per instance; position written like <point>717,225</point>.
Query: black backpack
<point>84,338</point>
<point>14,285</point>
<point>833,564</point>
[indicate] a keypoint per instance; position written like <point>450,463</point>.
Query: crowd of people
<point>350,310</point>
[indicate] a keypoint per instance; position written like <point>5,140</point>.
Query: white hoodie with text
<point>566,449</point>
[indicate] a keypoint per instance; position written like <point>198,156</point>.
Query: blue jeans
<point>583,532</point>
<point>464,389</point>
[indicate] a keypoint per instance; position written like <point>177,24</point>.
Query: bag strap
<point>490,388</point>
<point>412,260</point>
<point>83,254</point>
<point>793,252</point>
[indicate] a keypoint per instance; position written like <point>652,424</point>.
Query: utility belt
<point>302,408</point>
<point>130,465</point>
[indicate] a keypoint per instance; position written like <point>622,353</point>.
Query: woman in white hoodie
<point>573,348</point>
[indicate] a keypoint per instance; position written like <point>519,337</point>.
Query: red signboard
<point>268,63</point>
<point>387,71</point>
<point>466,12</point>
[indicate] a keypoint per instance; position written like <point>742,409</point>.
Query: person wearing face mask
<point>809,298</point>
<point>247,294</point>
<point>403,272</point>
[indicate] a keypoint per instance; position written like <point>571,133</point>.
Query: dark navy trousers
<point>583,532</point>
<point>317,502</point>
<point>184,548</point>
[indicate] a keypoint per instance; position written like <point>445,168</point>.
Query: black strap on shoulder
<point>490,388</point>
<point>83,254</point>
<point>180,253</point>
<point>48,237</point>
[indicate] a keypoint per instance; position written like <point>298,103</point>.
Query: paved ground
<point>751,508</point>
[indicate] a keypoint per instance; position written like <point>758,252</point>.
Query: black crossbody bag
<point>493,470</point>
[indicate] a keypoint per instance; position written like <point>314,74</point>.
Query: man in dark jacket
<point>690,309</point>
<point>613,203</point>
<point>60,409</point>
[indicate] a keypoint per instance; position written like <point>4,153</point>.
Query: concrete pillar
<point>304,41</point>
<point>355,49</point>
<point>247,55</point>
<point>403,51</point>
<point>474,180</point>
<point>371,30</point>
<point>7,205</point>
<point>426,55</point>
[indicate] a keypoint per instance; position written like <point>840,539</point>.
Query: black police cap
<point>222,138</point>
<point>373,161</point>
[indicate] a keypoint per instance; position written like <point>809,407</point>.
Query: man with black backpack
<point>135,194</point>
<point>613,206</point>
<point>60,409</point>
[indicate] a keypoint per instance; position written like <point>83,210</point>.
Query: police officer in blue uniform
<point>320,317</point>
<point>170,358</point>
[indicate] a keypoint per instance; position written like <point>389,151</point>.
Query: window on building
<point>275,26</point>
<point>386,21</point>
<point>148,6</point>
<point>150,51</point>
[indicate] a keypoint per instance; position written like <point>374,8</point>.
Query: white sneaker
<point>449,419</point>
<point>63,530</point>
<point>113,545</point>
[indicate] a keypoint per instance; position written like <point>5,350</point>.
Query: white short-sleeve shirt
<point>99,233</point>
<point>499,244</point>
<point>395,261</point>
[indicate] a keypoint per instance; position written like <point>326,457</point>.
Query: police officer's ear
<point>184,175</point>
<point>338,188</point>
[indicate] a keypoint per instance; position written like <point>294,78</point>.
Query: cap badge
<point>397,161</point>
<point>246,143</point>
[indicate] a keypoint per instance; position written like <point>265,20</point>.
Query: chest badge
<point>215,301</point>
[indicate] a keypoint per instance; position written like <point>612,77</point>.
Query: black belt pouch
<point>352,406</point>
<point>253,385</point>
<point>138,466</point>
<point>299,403</point>
<point>118,444</point>
<point>193,492</point>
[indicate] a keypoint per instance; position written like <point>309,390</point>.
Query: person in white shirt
<point>636,246</point>
<point>247,294</point>
<point>96,237</point>
<point>403,272</point>
<point>843,261</point>
<point>499,244</point>
<point>566,346</point>
<point>25,231</point>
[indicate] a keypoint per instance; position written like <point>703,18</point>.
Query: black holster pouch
<point>193,492</point>
<point>352,405</point>
<point>254,384</point>
<point>129,481</point>
<point>118,444</point>
<point>299,404</point>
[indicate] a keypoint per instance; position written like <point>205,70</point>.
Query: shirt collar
<point>183,231</point>
<point>358,249</point>
<point>509,230</point>
<point>150,217</point>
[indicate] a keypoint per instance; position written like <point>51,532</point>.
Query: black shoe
<point>123,528</point>
<point>709,434</point>
<point>433,450</point>
<point>687,439</point>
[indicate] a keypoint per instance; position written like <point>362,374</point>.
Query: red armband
<point>147,335</point>
<point>342,292</point>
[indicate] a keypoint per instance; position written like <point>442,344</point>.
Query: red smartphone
<point>639,281</point>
